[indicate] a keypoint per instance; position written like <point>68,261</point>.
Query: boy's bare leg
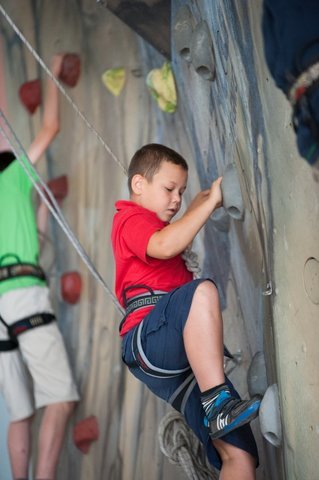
<point>203,341</point>
<point>19,443</point>
<point>51,437</point>
<point>236,462</point>
<point>203,337</point>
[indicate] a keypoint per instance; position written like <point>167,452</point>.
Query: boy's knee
<point>207,290</point>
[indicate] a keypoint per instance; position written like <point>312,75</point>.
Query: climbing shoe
<point>229,413</point>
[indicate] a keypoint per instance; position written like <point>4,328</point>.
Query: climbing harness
<point>180,397</point>
<point>21,326</point>
<point>303,82</point>
<point>14,270</point>
<point>32,321</point>
<point>144,364</point>
<point>139,301</point>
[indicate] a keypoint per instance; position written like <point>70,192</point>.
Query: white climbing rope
<point>182,447</point>
<point>52,205</point>
<point>191,261</point>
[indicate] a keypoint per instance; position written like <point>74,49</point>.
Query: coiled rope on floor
<point>180,445</point>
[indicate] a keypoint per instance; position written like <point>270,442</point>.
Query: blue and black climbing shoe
<point>225,413</point>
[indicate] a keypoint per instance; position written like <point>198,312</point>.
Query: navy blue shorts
<point>161,336</point>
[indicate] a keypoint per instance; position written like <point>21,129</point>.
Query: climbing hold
<point>269,416</point>
<point>70,69</point>
<point>257,375</point>
<point>161,84</point>
<point>30,95</point>
<point>311,279</point>
<point>59,187</point>
<point>202,52</point>
<point>71,287</point>
<point>85,432</point>
<point>182,32</point>
<point>114,80</point>
<point>221,220</point>
<point>232,197</point>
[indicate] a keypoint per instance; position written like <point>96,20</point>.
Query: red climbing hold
<point>71,287</point>
<point>71,69</point>
<point>30,95</point>
<point>59,187</point>
<point>85,432</point>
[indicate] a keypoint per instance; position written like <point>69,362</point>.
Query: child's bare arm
<point>50,121</point>
<point>175,237</point>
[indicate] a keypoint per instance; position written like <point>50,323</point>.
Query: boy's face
<point>163,194</point>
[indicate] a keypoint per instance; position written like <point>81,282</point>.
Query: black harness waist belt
<point>21,270</point>
<point>145,300</point>
<point>142,300</point>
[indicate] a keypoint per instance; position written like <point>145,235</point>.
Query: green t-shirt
<point>18,229</point>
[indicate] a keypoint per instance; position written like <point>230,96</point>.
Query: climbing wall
<point>265,265</point>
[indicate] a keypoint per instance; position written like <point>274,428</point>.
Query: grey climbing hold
<point>269,416</point>
<point>311,279</point>
<point>221,220</point>
<point>202,51</point>
<point>182,32</point>
<point>232,196</point>
<point>257,375</point>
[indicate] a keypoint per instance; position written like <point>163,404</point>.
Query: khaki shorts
<point>42,350</point>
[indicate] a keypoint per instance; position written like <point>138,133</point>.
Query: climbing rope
<point>182,447</point>
<point>191,261</point>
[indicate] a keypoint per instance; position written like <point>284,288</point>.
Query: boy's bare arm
<point>175,237</point>
<point>50,120</point>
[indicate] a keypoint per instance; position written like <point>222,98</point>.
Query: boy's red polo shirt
<point>132,228</point>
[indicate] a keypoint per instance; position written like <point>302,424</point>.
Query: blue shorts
<point>161,336</point>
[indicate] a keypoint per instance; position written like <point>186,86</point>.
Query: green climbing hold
<point>161,84</point>
<point>114,80</point>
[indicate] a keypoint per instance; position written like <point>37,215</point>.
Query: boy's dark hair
<point>147,161</point>
<point>6,158</point>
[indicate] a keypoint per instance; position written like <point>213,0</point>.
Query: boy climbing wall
<point>172,332</point>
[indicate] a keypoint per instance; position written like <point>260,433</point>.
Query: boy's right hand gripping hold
<point>212,198</point>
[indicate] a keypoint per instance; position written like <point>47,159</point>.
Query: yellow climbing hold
<point>161,84</point>
<point>114,80</point>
